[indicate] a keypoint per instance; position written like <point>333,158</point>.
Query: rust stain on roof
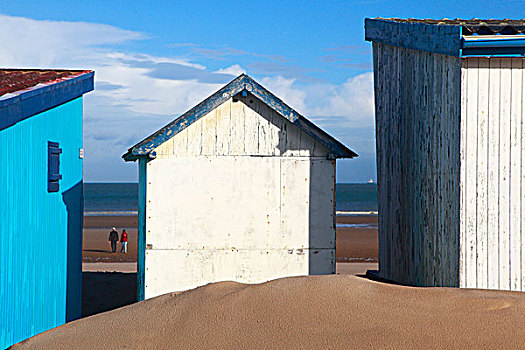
<point>12,80</point>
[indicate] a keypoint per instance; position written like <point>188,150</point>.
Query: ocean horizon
<point>121,199</point>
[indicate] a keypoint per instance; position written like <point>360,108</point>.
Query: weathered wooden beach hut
<point>449,98</point>
<point>241,187</point>
<point>40,200</point>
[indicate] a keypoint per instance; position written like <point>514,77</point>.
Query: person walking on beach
<point>124,242</point>
<point>113,239</point>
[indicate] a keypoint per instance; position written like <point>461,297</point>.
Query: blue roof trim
<point>14,109</point>
<point>239,84</point>
<point>493,46</point>
<point>441,39</point>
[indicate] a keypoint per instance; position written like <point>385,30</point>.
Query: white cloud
<point>139,92</point>
<point>233,70</point>
<point>350,103</point>
<point>284,88</point>
<point>353,99</point>
<point>29,43</point>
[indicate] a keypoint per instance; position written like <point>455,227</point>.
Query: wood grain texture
<point>242,127</point>
<point>417,98</point>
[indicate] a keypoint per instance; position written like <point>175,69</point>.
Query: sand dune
<point>334,311</point>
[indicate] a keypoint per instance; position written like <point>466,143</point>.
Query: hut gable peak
<point>241,88</point>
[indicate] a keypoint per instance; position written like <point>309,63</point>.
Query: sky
<point>154,60</point>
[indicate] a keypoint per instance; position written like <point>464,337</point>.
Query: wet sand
<point>314,312</point>
<point>357,244</point>
<point>96,247</point>
<point>110,221</point>
<point>353,244</point>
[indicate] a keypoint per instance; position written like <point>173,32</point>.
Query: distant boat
<point>370,181</point>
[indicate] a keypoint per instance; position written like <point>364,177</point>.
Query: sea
<point>106,199</point>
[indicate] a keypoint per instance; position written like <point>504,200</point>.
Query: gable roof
<point>240,84</point>
<point>26,92</point>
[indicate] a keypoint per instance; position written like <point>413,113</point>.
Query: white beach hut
<point>450,151</point>
<point>240,188</point>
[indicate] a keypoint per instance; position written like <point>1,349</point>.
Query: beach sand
<point>107,286</point>
<point>353,244</point>
<point>357,244</point>
<point>343,312</point>
<point>96,247</point>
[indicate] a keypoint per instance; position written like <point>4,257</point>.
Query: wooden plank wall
<point>417,98</point>
<point>241,195</point>
<point>255,129</point>
<point>492,217</point>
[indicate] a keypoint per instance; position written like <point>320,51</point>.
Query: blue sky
<point>155,60</point>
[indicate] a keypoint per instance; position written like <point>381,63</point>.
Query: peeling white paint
<point>241,194</point>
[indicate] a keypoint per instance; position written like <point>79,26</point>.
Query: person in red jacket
<point>124,242</point>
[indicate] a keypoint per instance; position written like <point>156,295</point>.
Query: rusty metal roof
<point>27,92</point>
<point>474,26</point>
<point>12,80</point>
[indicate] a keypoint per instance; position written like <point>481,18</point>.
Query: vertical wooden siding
<point>246,127</point>
<point>40,232</point>
<point>417,98</point>
<point>492,174</point>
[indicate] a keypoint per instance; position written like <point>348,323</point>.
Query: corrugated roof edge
<point>22,104</point>
<point>237,85</point>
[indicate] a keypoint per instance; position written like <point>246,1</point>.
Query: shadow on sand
<point>104,291</point>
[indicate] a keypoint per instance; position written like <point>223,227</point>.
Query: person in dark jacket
<point>113,239</point>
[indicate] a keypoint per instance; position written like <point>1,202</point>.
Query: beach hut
<point>40,199</point>
<point>241,188</point>
<point>449,98</point>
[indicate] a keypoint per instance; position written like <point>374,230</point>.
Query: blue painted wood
<point>238,85</point>
<point>141,246</point>
<point>494,41</point>
<point>40,232</point>
<point>493,46</point>
<point>493,52</point>
<point>53,166</point>
<point>442,39</point>
<point>14,109</point>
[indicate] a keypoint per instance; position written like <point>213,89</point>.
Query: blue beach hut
<point>41,199</point>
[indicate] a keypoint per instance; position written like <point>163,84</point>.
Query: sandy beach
<point>342,312</point>
<point>358,243</point>
<point>96,247</point>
